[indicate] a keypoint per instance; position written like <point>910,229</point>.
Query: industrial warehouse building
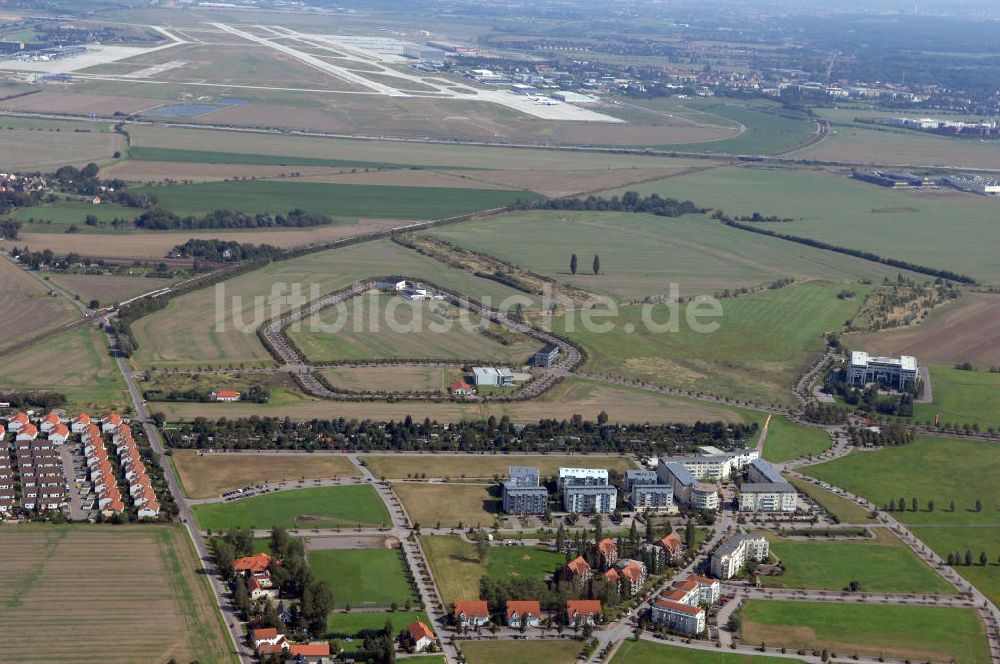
<point>492,376</point>
<point>892,372</point>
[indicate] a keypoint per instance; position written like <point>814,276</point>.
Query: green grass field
<point>766,132</point>
<point>59,216</point>
<point>918,632</point>
<point>978,539</point>
<point>787,440</point>
<point>942,230</point>
<point>845,510</point>
<point>643,254</point>
<point>334,200</point>
<point>521,652</point>
<point>387,327</point>
<point>210,157</point>
<point>320,507</point>
<point>189,332</point>
<point>932,468</point>
<point>362,577</point>
<point>759,347</point>
<point>644,652</point>
<point>962,397</point>
<point>353,622</point>
<point>880,565</point>
<point>91,382</point>
<point>457,571</point>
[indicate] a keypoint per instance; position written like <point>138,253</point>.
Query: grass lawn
<point>209,475</point>
<point>945,230</point>
<point>417,378</point>
<point>919,632</point>
<point>932,468</point>
<point>644,652</point>
<point>787,440</point>
<point>758,348</point>
<point>845,510</point>
<point>978,539</point>
<point>449,504</point>
<point>321,507</point>
<point>457,571</point>
<point>191,332</point>
<point>567,398</point>
<point>643,254</point>
<point>353,622</point>
<point>362,577</point>
<point>92,382</point>
<point>334,200</point>
<point>962,397</point>
<point>521,652</point>
<point>485,466</point>
<point>388,327</point>
<point>880,565</point>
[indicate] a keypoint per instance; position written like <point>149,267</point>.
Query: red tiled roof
<point>310,649</point>
<point>59,430</point>
<point>583,606</point>
<point>671,542</point>
<point>523,607</point>
<point>472,608</point>
<point>418,630</point>
<point>686,584</point>
<point>255,563</point>
<point>21,417</point>
<point>226,394</point>
<point>113,418</point>
<point>264,633</point>
<point>677,606</point>
<point>50,418</point>
<point>703,580</point>
<point>82,418</point>
<point>578,565</point>
<point>675,595</point>
<point>612,575</point>
<point>607,546</point>
<point>28,430</point>
<point>459,386</point>
<point>633,571</point>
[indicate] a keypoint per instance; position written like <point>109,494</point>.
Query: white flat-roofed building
<point>768,497</point>
<point>492,376</point>
<point>730,558</point>
<point>523,475</point>
<point>894,372</point>
<point>587,499</point>
<point>583,477</point>
<point>652,497</point>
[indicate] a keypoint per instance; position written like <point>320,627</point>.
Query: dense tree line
<point>48,258</point>
<point>33,399</point>
<point>870,400</point>
<point>159,219</point>
<point>255,394</point>
<point>84,182</point>
<point>9,229</point>
<point>489,435</point>
<point>629,202</point>
<point>224,251</point>
<point>822,413</point>
<point>890,434</point>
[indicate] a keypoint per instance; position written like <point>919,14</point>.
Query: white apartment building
<point>687,489</point>
<point>735,553</point>
<point>583,477</point>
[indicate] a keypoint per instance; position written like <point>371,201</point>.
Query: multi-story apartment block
<point>730,558</point>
